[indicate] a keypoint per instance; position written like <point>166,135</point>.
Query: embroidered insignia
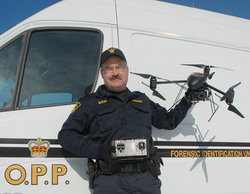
<point>102,101</point>
<point>78,104</point>
<point>111,50</point>
<point>140,101</point>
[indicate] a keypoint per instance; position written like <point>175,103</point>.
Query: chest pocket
<point>106,117</point>
<point>141,114</point>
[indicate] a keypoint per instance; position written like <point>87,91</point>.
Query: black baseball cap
<point>112,52</point>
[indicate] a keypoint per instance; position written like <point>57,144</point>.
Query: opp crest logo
<point>39,148</point>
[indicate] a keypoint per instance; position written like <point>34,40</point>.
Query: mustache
<point>115,77</point>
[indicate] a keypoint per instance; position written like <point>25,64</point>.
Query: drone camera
<point>201,94</point>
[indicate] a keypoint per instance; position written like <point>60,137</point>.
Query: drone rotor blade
<point>230,92</point>
<point>145,84</point>
<point>203,66</point>
<point>156,93</point>
<point>235,110</point>
<point>235,85</point>
<point>210,76</point>
<point>146,76</point>
<point>222,68</point>
<point>195,65</point>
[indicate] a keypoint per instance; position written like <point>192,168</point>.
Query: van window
<point>9,60</point>
<point>61,66</point>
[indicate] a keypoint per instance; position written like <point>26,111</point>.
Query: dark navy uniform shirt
<point>102,117</point>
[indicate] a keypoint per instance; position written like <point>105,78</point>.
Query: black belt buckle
<point>129,167</point>
<point>134,167</point>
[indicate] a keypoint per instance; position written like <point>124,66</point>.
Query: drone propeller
<point>202,66</point>
<point>155,92</point>
<point>153,83</point>
<point>229,95</point>
<point>206,69</point>
<point>211,75</point>
<point>235,110</point>
<point>146,76</point>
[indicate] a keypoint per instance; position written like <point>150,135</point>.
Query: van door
<point>43,73</point>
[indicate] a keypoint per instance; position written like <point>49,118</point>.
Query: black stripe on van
<point>185,151</point>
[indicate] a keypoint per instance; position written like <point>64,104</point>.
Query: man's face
<point>114,72</point>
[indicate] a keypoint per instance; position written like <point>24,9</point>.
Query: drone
<point>201,90</point>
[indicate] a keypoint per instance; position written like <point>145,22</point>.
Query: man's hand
<point>105,152</point>
<point>188,95</point>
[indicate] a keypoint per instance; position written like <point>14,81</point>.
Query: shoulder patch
<point>78,104</point>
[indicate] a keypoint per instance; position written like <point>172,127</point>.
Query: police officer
<point>113,112</point>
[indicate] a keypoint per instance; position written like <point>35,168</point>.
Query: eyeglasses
<point>117,68</point>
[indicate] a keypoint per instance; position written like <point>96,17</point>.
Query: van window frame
<point>22,63</point>
<point>19,65</point>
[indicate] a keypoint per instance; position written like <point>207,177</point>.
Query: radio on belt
<point>130,148</point>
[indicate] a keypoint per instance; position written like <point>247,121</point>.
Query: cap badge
<point>111,50</point>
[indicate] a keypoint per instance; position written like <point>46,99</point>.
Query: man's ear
<point>101,73</point>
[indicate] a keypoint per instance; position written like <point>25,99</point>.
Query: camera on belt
<point>130,149</point>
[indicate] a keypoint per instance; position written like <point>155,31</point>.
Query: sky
<point>14,11</point>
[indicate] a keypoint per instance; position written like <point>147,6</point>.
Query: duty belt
<point>127,167</point>
<point>133,167</point>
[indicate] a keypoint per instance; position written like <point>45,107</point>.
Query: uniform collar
<point>102,93</point>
